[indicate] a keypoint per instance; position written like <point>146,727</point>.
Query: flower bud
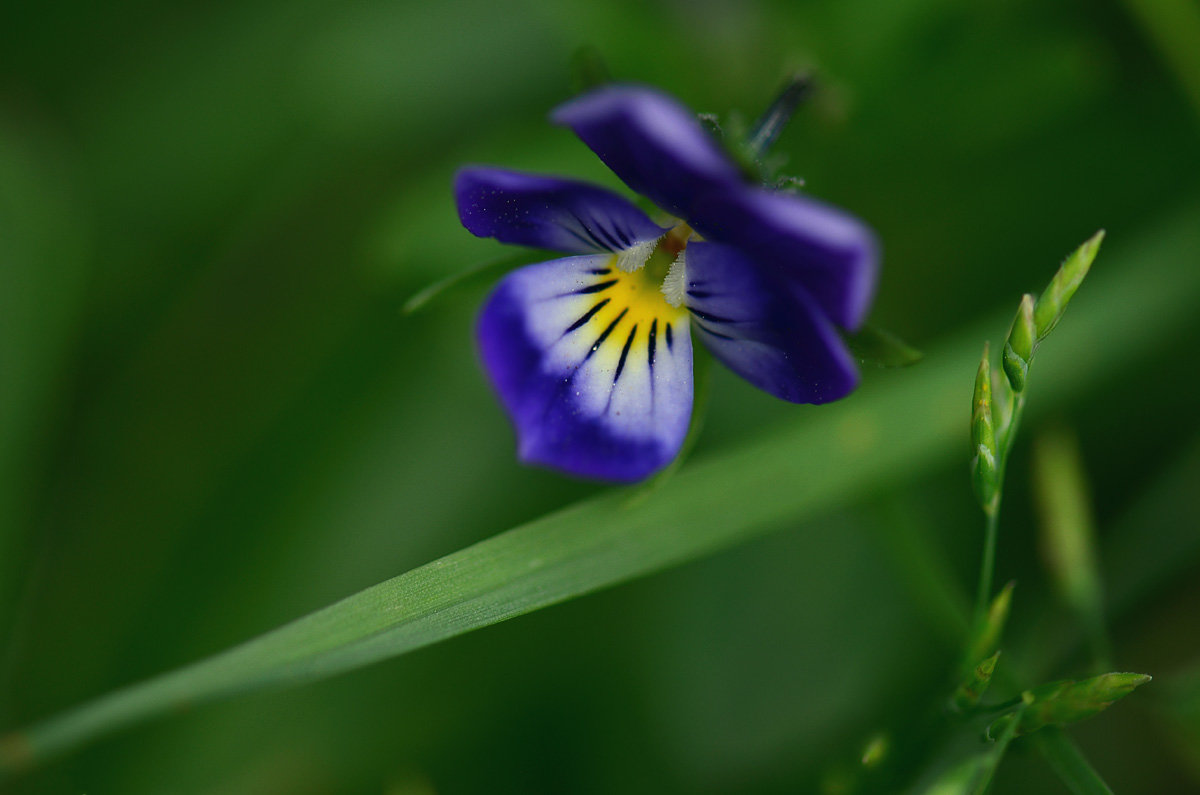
<point>1060,703</point>
<point>1018,348</point>
<point>1003,406</point>
<point>983,439</point>
<point>1066,281</point>
<point>972,689</point>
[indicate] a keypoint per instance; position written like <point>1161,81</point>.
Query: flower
<point>592,354</point>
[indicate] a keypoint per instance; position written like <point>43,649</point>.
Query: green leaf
<point>1173,27</point>
<point>1069,763</point>
<point>1067,534</point>
<point>45,259</point>
<point>873,345</point>
<point>817,461</point>
<point>988,629</point>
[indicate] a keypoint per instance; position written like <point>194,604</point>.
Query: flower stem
<point>987,566</point>
<point>771,123</point>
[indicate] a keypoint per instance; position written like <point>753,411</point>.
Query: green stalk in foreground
<point>999,403</point>
<point>993,428</point>
<point>850,448</point>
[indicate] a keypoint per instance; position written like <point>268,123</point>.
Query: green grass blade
<point>1173,27</point>
<point>485,271</point>
<point>45,251</point>
<point>1069,763</point>
<point>1067,534</point>
<point>894,429</point>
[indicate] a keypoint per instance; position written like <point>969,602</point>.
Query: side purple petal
<point>652,143</point>
<point>550,213</point>
<point>829,253</point>
<point>589,391</point>
<point>767,331</point>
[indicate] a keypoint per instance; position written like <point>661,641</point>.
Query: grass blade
<point>1173,27</point>
<point>485,271</point>
<point>1068,536</point>
<point>1069,763</point>
<point>903,426</point>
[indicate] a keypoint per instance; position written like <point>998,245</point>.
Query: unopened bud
<point>1003,405</point>
<point>983,439</point>
<point>972,689</point>
<point>1018,348</point>
<point>1054,299</point>
<point>1061,703</point>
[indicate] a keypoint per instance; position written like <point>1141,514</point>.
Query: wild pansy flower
<point>592,354</point>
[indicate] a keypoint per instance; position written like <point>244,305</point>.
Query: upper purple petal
<point>828,252</point>
<point>592,390</point>
<point>652,143</point>
<point>765,329</point>
<point>547,212</point>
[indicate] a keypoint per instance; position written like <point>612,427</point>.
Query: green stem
<point>987,565</point>
<point>771,124</point>
<point>992,709</point>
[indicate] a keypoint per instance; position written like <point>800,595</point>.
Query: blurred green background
<point>214,418</point>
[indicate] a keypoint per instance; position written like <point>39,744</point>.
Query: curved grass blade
<point>813,463</point>
<point>1069,763</point>
<point>484,271</point>
<point>1173,27</point>
<point>45,264</point>
<point>1067,535</point>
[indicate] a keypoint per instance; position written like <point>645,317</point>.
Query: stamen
<point>674,287</point>
<point>632,259</point>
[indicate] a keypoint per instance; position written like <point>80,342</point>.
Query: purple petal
<point>550,213</point>
<point>832,255</point>
<point>767,331</point>
<point>652,143</point>
<point>588,379</point>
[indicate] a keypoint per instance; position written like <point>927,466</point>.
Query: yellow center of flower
<point>637,301</point>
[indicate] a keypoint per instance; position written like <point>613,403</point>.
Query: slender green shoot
<point>998,404</point>
<point>1068,536</point>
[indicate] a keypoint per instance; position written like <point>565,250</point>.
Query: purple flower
<point>592,354</point>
